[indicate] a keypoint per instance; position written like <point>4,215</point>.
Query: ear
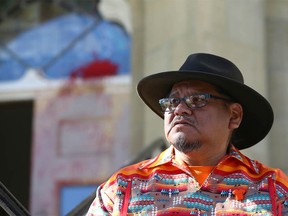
<point>236,115</point>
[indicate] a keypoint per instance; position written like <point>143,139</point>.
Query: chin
<point>181,135</point>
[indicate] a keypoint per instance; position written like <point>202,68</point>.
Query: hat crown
<point>212,64</point>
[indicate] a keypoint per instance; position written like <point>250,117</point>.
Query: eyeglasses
<point>192,101</point>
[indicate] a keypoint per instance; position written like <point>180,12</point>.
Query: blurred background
<point>70,115</point>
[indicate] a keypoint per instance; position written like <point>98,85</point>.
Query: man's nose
<point>182,109</point>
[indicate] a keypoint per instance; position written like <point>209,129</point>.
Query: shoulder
<point>281,179</point>
<point>125,174</point>
<point>257,168</point>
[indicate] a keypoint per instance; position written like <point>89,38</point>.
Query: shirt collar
<point>167,156</point>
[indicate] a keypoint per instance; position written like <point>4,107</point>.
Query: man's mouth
<point>182,121</point>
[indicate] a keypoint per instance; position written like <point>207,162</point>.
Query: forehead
<point>192,85</point>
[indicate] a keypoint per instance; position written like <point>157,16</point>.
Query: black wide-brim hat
<point>257,112</point>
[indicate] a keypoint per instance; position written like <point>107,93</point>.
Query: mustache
<point>186,119</point>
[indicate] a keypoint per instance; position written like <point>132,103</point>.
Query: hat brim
<point>257,112</point>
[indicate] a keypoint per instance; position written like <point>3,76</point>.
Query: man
<point>209,115</point>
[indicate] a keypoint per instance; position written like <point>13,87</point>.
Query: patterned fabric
<point>165,186</point>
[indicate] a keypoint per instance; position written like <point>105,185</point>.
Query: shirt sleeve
<point>102,205</point>
<point>282,191</point>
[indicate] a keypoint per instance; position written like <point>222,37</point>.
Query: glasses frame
<point>204,96</point>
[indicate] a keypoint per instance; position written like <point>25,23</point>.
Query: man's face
<point>206,128</point>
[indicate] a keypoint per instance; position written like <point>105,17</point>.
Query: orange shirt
<point>167,186</point>
<point>201,172</point>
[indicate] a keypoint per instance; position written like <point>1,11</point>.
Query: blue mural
<point>73,45</point>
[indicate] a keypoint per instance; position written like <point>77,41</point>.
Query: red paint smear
<point>95,69</point>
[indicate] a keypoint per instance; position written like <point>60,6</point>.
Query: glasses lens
<point>196,101</point>
<point>169,104</point>
<point>174,102</point>
<point>192,101</point>
<point>165,103</point>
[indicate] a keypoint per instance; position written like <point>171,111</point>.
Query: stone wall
<point>277,71</point>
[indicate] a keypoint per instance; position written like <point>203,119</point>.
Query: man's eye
<point>197,99</point>
<point>192,99</point>
<point>174,101</point>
